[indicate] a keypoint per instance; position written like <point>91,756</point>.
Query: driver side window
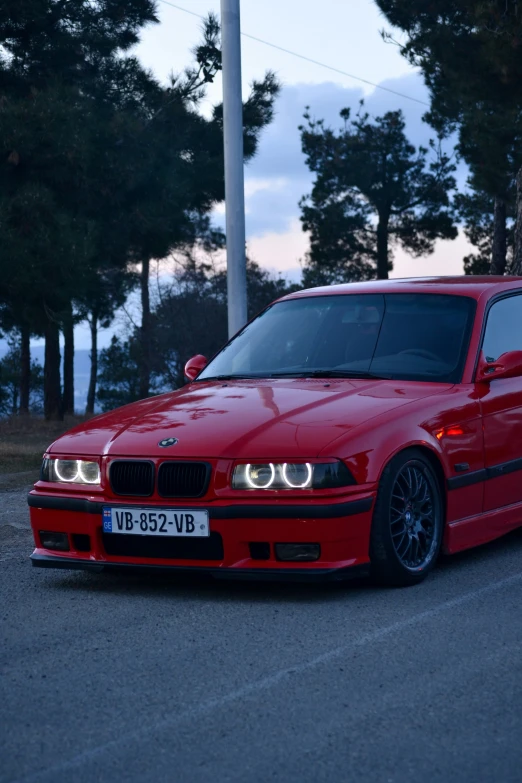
<point>503,328</point>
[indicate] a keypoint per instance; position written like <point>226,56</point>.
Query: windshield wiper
<point>332,374</point>
<point>238,377</point>
<point>300,374</point>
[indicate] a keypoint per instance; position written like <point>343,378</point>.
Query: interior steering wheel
<point>421,352</point>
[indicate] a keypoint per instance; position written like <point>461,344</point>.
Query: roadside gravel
<point>15,531</point>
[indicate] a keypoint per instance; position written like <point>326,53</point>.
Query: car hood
<point>242,419</point>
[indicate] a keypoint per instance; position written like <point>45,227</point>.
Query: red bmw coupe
<point>365,425</point>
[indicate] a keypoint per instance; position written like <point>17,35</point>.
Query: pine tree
<point>470,54</point>
<point>373,190</point>
<point>476,210</point>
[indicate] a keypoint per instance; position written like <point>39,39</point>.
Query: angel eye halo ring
<point>295,467</point>
<point>66,470</point>
<point>89,472</point>
<point>268,475</point>
<point>253,480</point>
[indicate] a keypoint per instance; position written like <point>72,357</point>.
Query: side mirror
<point>509,365</point>
<point>194,366</point>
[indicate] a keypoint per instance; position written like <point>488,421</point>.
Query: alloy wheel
<point>414,518</point>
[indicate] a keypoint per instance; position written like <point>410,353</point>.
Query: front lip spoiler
<point>246,574</point>
<point>236,511</point>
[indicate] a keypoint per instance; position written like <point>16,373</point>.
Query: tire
<point>408,521</point>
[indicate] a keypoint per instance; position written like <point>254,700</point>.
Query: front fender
<point>368,458</point>
<point>449,425</point>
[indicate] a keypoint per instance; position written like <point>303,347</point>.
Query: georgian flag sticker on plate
<point>191,523</point>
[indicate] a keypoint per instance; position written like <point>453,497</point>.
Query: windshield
<point>399,336</point>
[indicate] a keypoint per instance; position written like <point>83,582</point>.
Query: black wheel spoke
<point>404,546</point>
<point>416,486</point>
<point>408,482</point>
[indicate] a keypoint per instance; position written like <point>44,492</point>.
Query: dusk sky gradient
<point>342,33</point>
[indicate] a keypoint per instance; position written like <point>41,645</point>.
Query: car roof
<point>465,285</point>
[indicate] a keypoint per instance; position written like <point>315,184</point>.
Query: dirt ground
<point>14,512</point>
<point>22,444</point>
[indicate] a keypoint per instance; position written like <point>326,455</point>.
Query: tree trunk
<point>25,369</point>
<point>68,363</point>
<point>91,394</point>
<point>382,247</point>
<point>517,258</point>
<point>52,395</point>
<point>145,332</point>
<point>499,248</point>
<point>14,402</point>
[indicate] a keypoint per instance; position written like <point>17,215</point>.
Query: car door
<point>502,407</point>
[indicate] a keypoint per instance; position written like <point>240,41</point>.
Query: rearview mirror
<point>509,365</point>
<point>194,366</point>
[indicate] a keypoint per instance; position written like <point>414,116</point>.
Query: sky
<point>344,34</point>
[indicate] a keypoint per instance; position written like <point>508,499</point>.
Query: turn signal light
<point>450,432</point>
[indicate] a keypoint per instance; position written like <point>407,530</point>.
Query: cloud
<point>280,252</point>
<point>274,208</point>
<point>280,149</point>
<point>278,177</point>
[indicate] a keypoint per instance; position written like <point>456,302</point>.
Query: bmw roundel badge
<point>166,442</point>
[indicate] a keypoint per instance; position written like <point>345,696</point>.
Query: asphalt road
<point>116,678</point>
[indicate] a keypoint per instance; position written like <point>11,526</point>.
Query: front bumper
<point>341,528</point>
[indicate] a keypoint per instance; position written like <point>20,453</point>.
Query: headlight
<point>297,476</point>
<point>291,475</point>
<point>259,476</point>
<point>70,471</point>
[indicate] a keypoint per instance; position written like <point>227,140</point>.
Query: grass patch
<point>24,439</point>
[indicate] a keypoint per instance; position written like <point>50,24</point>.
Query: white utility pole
<point>234,165</point>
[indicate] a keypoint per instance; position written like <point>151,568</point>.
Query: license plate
<point>156,522</point>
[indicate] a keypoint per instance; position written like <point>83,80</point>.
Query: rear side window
<point>503,328</point>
